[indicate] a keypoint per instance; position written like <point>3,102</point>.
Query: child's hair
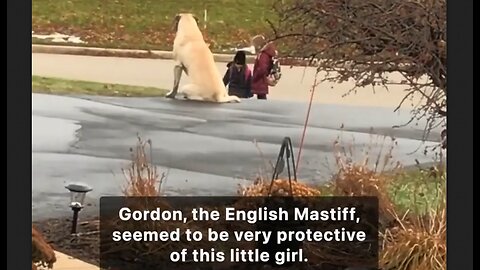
<point>240,58</point>
<point>258,42</point>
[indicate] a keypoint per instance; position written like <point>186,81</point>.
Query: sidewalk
<point>295,84</point>
<point>93,51</point>
<point>65,262</point>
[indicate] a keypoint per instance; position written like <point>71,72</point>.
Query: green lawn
<point>412,189</point>
<point>146,24</point>
<point>417,190</point>
<point>57,86</point>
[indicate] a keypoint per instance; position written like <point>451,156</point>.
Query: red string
<point>305,125</point>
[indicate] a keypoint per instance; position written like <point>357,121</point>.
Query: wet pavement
<point>205,149</point>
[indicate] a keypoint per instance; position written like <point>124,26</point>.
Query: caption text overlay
<point>176,232</point>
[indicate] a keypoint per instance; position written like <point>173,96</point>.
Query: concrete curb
<point>148,54</point>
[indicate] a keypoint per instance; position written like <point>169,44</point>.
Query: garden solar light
<point>77,197</point>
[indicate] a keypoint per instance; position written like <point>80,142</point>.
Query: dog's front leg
<point>177,73</point>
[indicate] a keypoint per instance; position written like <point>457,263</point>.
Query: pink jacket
<point>261,69</point>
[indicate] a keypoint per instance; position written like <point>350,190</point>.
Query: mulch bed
<point>85,246</point>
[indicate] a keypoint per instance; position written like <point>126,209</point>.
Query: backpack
<point>275,71</point>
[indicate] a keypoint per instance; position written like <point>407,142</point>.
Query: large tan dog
<point>193,56</point>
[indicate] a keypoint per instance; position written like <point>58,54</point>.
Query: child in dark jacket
<point>238,76</point>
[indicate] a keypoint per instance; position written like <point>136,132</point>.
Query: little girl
<point>238,77</point>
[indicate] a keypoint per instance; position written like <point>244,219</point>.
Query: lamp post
<point>77,198</point>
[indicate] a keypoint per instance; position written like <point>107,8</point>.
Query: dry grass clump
<point>141,175</point>
<point>359,180</point>
<point>42,253</point>
<point>418,242</point>
<point>142,180</point>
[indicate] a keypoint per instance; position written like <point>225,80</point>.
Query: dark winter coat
<point>239,80</point>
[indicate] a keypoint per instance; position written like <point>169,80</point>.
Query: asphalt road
<point>205,149</point>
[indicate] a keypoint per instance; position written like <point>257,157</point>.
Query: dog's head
<point>183,16</point>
